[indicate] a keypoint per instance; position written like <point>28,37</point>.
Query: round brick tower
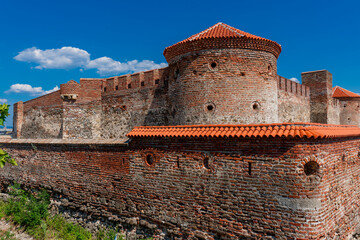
<point>223,76</point>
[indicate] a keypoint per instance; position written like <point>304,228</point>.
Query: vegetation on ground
<point>30,211</point>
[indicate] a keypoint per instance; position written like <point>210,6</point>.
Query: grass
<point>30,212</point>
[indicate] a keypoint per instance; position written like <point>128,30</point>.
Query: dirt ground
<point>4,227</point>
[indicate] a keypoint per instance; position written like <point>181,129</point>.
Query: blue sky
<point>46,43</point>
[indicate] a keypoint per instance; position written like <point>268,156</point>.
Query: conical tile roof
<point>218,36</point>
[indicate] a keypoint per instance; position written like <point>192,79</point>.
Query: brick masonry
<point>211,188</point>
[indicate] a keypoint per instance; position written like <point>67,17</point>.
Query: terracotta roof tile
<point>221,31</point>
<point>339,92</point>
<point>286,130</point>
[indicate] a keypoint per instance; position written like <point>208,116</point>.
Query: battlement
<point>289,86</point>
<point>137,80</point>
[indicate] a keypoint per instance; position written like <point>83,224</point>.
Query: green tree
<point>4,112</point>
<point>4,156</point>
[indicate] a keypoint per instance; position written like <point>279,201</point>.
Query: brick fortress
<point>215,146</point>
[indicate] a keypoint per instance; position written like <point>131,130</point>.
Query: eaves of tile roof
<point>339,92</point>
<point>285,130</point>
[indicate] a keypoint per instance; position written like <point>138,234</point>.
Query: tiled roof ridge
<point>287,130</point>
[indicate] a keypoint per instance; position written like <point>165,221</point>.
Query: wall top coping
<point>283,130</point>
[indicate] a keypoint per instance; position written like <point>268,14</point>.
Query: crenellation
<point>295,88</point>
<point>149,78</point>
<point>110,84</point>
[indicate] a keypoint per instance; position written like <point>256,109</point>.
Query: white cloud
<point>70,58</point>
<point>56,88</point>
<point>26,88</point>
<point>107,66</point>
<point>61,58</point>
<point>294,80</point>
<point>2,100</point>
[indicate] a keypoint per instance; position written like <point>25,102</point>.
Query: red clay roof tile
<point>287,130</point>
<point>339,92</point>
<point>220,31</point>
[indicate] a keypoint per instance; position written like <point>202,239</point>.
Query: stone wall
<point>349,111</point>
<point>82,121</point>
<point>320,84</point>
<point>334,112</point>
<point>41,117</point>
<point>226,189</point>
<point>143,104</point>
<point>294,101</point>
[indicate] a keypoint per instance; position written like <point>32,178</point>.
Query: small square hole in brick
<point>157,81</point>
<point>142,84</point>
<point>129,85</point>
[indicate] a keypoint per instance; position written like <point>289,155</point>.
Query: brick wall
<point>51,99</point>
<point>323,108</point>
<point>293,100</point>
<point>144,103</point>
<point>18,119</point>
<point>211,187</point>
<point>223,86</point>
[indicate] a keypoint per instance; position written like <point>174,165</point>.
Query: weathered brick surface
<point>324,109</point>
<point>231,81</point>
<point>293,100</point>
<point>220,197</point>
<point>123,109</point>
<point>51,99</point>
<point>18,119</point>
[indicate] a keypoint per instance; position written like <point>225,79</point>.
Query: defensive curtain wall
<point>171,152</point>
<point>214,182</point>
<point>110,108</point>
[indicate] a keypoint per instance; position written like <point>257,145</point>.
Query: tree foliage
<point>4,112</point>
<point>4,156</point>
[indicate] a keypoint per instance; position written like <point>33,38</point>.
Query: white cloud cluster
<point>2,100</point>
<point>108,66</point>
<point>70,58</point>
<point>294,80</point>
<point>33,91</point>
<point>62,58</point>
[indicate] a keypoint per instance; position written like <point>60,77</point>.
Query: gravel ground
<point>4,227</point>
